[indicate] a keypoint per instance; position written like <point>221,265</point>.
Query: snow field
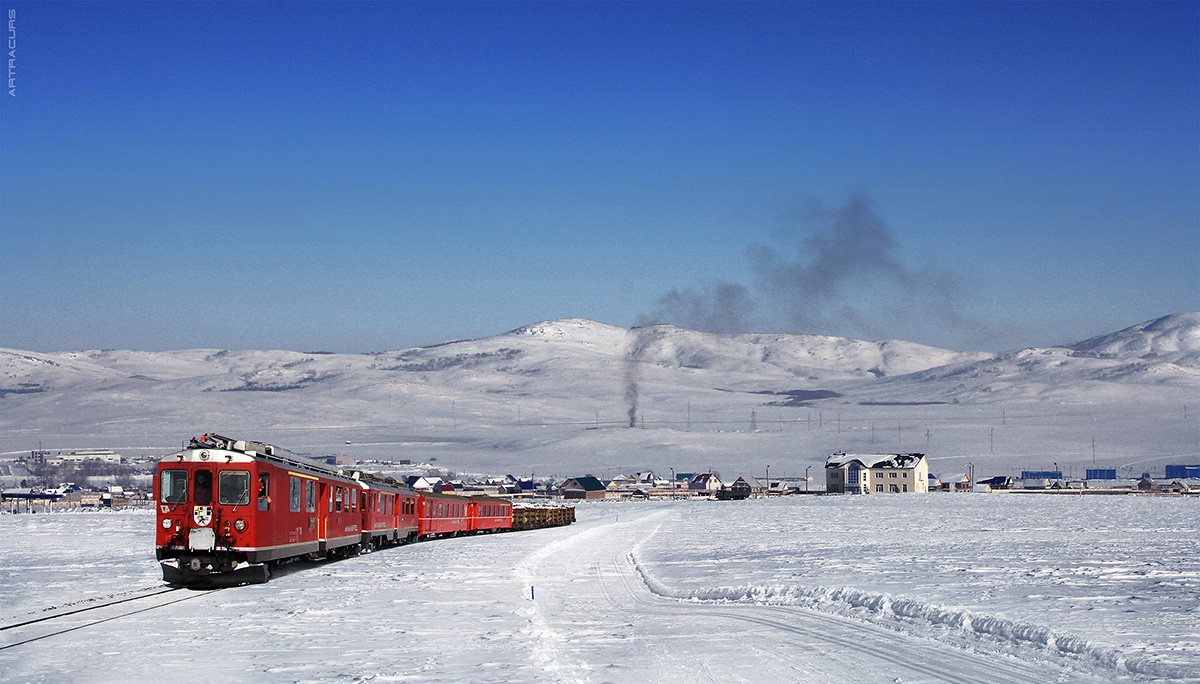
<point>964,588</point>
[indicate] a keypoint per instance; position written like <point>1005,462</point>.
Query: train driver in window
<point>264,491</point>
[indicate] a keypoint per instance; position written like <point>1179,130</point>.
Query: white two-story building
<point>876,473</point>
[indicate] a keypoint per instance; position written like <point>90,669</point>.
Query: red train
<point>229,510</point>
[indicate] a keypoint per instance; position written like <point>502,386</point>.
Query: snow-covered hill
<point>552,394</point>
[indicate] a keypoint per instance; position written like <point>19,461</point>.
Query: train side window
<point>295,502</point>
<point>233,487</point>
<point>202,489</point>
<point>173,486</point>
<point>337,501</point>
<point>264,491</point>
<point>310,500</point>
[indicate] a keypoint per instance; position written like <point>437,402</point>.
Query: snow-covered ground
<point>919,588</point>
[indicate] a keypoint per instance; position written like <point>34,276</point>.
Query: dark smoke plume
<point>721,307</point>
<point>633,370</point>
<point>830,272</point>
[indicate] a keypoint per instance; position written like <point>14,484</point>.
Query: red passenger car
<point>389,511</point>
<point>443,515</point>
<point>489,514</point>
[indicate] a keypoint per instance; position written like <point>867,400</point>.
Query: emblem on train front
<point>202,515</point>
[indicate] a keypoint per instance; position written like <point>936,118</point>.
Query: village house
<point>586,487</point>
<point>743,488</point>
<point>705,482</point>
<point>876,473</point>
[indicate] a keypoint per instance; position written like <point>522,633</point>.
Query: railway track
<point>99,611</point>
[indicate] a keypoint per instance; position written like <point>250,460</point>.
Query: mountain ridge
<point>1173,339</point>
<point>559,396</point>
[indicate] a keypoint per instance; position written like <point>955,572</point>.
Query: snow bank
<point>976,631</point>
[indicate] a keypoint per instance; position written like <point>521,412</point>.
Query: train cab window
<point>202,489</point>
<point>264,491</point>
<point>310,499</point>
<point>233,488</point>
<point>173,486</point>
<point>296,498</point>
<point>337,501</point>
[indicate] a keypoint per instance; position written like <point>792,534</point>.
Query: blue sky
<point>364,177</point>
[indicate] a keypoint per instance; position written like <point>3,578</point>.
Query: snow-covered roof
<point>875,460</point>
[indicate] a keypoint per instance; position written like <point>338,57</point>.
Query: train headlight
<point>240,525</point>
<point>166,523</point>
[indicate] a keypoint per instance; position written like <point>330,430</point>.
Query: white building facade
<point>876,474</point>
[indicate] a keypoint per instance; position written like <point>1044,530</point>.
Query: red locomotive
<point>228,510</point>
